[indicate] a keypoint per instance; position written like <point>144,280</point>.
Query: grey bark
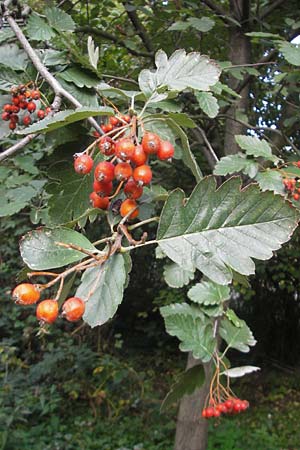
<point>191,429</point>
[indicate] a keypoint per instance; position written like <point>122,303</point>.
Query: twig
<point>139,27</point>
<point>129,238</point>
<point>209,152</point>
<point>81,250</point>
<point>218,9</point>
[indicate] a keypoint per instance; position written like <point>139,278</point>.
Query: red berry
<point>127,206</point>
<point>133,190</point>
<point>105,171</point>
<point>15,109</point>
<point>139,157</point>
<point>28,94</point>
<point>26,120</point>
<point>165,151</point>
<point>222,408</point>
<point>142,174</point>
<point>96,134</point>
<point>105,128</point>
<point>114,121</point>
<point>31,107</point>
<point>7,108</point>
<point>35,94</point>
<point>48,110</point>
<point>126,118</point>
<point>125,149</point>
<point>296,197</point>
<point>103,189</point>
<point>123,171</point>
<point>47,311</point>
<point>26,294</point>
<point>5,116</point>
<point>14,118</point>
<point>23,105</point>
<point>209,412</point>
<point>15,100</point>
<point>41,114</point>
<point>237,406</point>
<point>151,143</point>
<point>106,145</point>
<point>83,164</point>
<point>99,202</point>
<point>204,415</point>
<point>12,125</point>
<point>73,309</point>
<point>229,404</point>
<point>22,98</point>
<point>298,164</point>
<point>216,413</point>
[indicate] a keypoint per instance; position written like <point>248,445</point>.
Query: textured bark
<point>191,429</point>
<point>239,53</point>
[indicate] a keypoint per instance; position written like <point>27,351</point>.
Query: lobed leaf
<point>209,293</point>
<point>175,276</point>
<point>256,147</point>
<point>240,338</point>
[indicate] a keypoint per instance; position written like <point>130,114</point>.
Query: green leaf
<point>38,29</point>
<point>262,34</point>
<point>179,72</point>
<point>79,77</point>
<point>234,163</point>
<point>85,96</point>
<point>231,315</point>
<point>256,147</point>
<point>52,57</point>
<point>291,52</point>
<point>14,200</point>
<point>63,118</point>
<point>182,119</point>
<point>270,180</point>
<point>236,372</point>
<point>209,293</point>
<point>187,383</point>
<point>240,338</point>
<point>40,252</point>
<point>59,19</point>
<point>93,52</point>
<point>203,25</point>
<point>13,57</point>
<point>208,103</point>
<point>179,26</point>
<point>219,230</point>
<point>70,193</point>
<point>6,34</point>
<point>175,276</point>
<point>103,288</point>
<point>192,328</point>
<point>9,78</point>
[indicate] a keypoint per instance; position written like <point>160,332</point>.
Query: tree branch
<point>221,12</point>
<point>139,27</point>
<point>59,91</point>
<point>209,152</point>
<point>111,37</point>
<point>273,5</point>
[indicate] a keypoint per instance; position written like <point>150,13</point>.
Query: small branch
<point>273,5</point>
<point>113,38</point>
<point>81,250</point>
<point>129,238</point>
<point>221,12</point>
<point>144,222</point>
<point>16,147</point>
<point>139,27</point>
<point>209,152</point>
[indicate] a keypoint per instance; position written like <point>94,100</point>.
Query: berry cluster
<point>23,100</point>
<point>292,185</point>
<point>47,310</point>
<point>232,405</point>
<point>127,163</point>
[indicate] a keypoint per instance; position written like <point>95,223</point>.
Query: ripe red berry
<point>35,94</point>
<point>96,134</point>
<point>126,118</point>
<point>31,107</point>
<point>47,311</point>
<point>27,94</point>
<point>105,128</point>
<point>123,171</point>
<point>12,125</point>
<point>151,143</point>
<point>14,118</point>
<point>48,110</point>
<point>222,408</point>
<point>26,120</point>
<point>127,206</point>
<point>41,114</point>
<point>209,412</point>
<point>26,294</point>
<point>5,116</point>
<point>237,406</point>
<point>99,202</point>
<point>105,171</point>
<point>139,157</point>
<point>142,174</point>
<point>23,105</point>
<point>229,404</point>
<point>15,109</point>
<point>73,309</point>
<point>114,121</point>
<point>15,100</point>
<point>7,108</point>
<point>106,145</point>
<point>165,151</point>
<point>204,415</point>
<point>103,189</point>
<point>133,190</point>
<point>124,149</point>
<point>22,98</point>
<point>296,197</point>
<point>83,164</point>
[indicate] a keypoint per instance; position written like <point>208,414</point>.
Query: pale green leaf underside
<point>233,163</point>
<point>240,338</point>
<point>219,230</point>
<point>255,147</point>
<point>106,284</point>
<point>175,276</point>
<point>209,293</point>
<point>40,252</point>
<point>192,328</point>
<point>208,103</point>
<point>237,372</point>
<point>270,180</point>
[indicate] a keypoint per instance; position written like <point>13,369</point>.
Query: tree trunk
<point>239,53</point>
<point>191,429</point>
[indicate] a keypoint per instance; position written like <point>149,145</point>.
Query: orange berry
<point>127,206</point>
<point>26,294</point>
<point>73,309</point>
<point>47,311</point>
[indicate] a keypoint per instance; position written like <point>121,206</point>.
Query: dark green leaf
<point>13,57</point>
<point>59,19</point>
<point>256,147</point>
<point>38,29</point>
<point>270,180</point>
<point>79,77</point>
<point>234,163</point>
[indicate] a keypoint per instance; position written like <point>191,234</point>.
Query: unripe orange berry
<point>47,311</point>
<point>142,174</point>
<point>26,294</point>
<point>127,206</point>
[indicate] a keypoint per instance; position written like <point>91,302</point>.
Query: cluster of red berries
<point>231,406</point>
<point>292,185</point>
<point>23,99</point>
<point>47,310</point>
<point>127,163</point>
